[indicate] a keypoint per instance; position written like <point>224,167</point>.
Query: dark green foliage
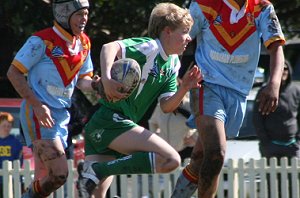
<point>288,12</point>
<point>108,20</point>
<point>115,19</point>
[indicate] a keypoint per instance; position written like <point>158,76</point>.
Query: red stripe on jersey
<point>230,36</point>
<point>67,65</point>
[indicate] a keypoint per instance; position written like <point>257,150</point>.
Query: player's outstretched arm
<point>190,80</point>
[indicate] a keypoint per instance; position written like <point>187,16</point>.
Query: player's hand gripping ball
<point>126,71</point>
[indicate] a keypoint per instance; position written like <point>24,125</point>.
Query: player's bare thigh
<point>140,139</point>
<point>50,154</point>
<point>212,132</point>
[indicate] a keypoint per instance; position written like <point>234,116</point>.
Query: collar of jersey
<point>61,32</point>
<point>236,12</point>
<point>161,50</point>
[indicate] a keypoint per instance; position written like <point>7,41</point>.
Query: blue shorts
<point>33,131</point>
<point>222,103</point>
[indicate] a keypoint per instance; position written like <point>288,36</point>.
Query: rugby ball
<point>128,72</point>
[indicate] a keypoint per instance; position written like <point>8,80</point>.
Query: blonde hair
<point>168,14</point>
<point>6,116</point>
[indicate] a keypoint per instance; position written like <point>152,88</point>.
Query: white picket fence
<point>238,180</point>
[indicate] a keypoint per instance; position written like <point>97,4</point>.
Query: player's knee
<point>197,157</point>
<point>175,161</point>
<point>170,163</point>
<point>215,154</point>
<point>213,161</point>
<point>55,181</point>
<point>59,178</point>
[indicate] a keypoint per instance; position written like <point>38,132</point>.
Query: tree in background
<point>18,19</point>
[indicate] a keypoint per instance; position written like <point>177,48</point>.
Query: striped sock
<point>34,191</point>
<point>189,175</point>
<point>186,184</point>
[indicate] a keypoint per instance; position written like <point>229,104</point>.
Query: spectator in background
<point>172,128</point>
<point>278,132</point>
<point>10,146</point>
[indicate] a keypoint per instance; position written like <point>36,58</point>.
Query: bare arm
<point>108,54</point>
<point>84,83</point>
<point>268,98</point>
<point>190,80</point>
<point>19,82</point>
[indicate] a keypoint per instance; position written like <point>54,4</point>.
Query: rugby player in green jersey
<point>114,143</point>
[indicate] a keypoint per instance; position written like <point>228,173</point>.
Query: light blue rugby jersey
<point>43,76</point>
<point>233,61</point>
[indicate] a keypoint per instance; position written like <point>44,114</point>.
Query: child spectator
<point>10,146</point>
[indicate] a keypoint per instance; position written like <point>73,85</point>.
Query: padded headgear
<point>63,10</point>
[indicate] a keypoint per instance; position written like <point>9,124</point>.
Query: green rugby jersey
<point>159,76</point>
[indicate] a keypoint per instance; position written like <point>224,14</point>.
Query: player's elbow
<point>9,73</point>
<point>111,48</point>
<point>166,107</point>
<point>167,110</point>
